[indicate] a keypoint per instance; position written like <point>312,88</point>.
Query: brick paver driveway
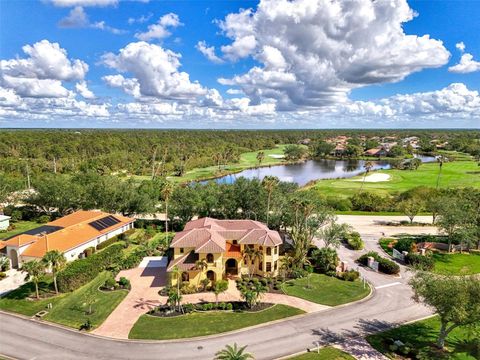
<point>146,282</point>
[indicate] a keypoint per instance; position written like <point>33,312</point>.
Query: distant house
<point>71,235</point>
<point>4,222</point>
<point>379,152</point>
<point>304,141</point>
<point>221,244</point>
<point>339,150</point>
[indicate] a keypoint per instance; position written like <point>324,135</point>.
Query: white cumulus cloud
<point>160,30</point>
<point>208,52</point>
<point>72,3</point>
<point>155,69</point>
<point>314,52</point>
<point>467,64</point>
<point>77,18</point>
<point>84,91</point>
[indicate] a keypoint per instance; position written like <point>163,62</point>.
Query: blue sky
<point>285,64</point>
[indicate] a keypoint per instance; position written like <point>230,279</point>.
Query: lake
<point>302,173</point>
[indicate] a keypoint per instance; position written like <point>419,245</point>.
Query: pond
<point>302,173</point>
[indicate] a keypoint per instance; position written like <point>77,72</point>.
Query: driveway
<point>146,281</point>
<point>14,280</point>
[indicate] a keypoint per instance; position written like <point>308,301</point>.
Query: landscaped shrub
<point>89,251</point>
<point>384,265</point>
<point>404,244</point>
<point>4,264</point>
<point>368,201</point>
<point>133,259</point>
<point>108,242</point>
<point>325,260</point>
<point>420,262</point>
<point>2,275</point>
<point>43,219</point>
<point>124,283</point>
<point>110,282</point>
<point>349,275</point>
<point>80,272</point>
<point>354,240</point>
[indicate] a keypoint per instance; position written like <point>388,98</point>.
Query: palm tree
<point>260,157</point>
<point>220,287</point>
<point>250,255</point>
<point>34,269</point>
<point>269,183</point>
<point>440,161</point>
<point>368,166</point>
<point>167,192</point>
<point>200,265</point>
<point>178,275</point>
<point>233,353</point>
<point>56,261</point>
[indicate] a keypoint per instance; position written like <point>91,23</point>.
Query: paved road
<point>390,304</point>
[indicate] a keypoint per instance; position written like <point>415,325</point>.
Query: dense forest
<point>139,152</point>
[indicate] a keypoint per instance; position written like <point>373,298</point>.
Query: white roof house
<point>4,222</point>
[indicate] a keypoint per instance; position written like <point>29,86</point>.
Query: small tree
<point>368,166</point>
<point>233,353</point>
<point>35,270</point>
<point>252,291</point>
<point>411,207</point>
<point>260,157</point>
<point>220,287</point>
<point>89,299</point>
<point>455,299</point>
<point>56,261</point>
<point>201,266</point>
<point>334,233</point>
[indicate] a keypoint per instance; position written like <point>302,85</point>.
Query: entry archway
<point>14,258</point>
<point>231,267</point>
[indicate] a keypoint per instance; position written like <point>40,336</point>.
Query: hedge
<point>384,265</point>
<point>107,243</point>
<point>417,261</point>
<point>355,241</point>
<point>80,272</point>
<point>133,259</point>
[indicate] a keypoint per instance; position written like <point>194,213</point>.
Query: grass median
<point>326,290</point>
<point>205,323</point>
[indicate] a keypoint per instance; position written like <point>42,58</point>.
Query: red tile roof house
<point>71,235</point>
<point>221,244</point>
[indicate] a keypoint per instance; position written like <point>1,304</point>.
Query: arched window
<point>211,275</point>
<point>185,276</point>
<point>209,258</point>
<point>269,251</point>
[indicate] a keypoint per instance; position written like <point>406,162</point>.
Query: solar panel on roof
<point>104,223</point>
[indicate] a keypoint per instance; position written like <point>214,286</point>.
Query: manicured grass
<point>200,324</point>
<point>20,226</point>
<point>247,160</point>
<point>422,336</point>
<point>326,353</point>
<point>68,309</point>
<point>454,174</point>
<point>456,264</point>
<point>326,290</point>
<point>384,242</point>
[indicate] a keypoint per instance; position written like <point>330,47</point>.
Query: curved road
<point>390,304</point>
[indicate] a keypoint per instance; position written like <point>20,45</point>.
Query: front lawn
<point>456,264</point>
<point>326,353</point>
<point>19,227</point>
<point>68,309</point>
<point>422,335</point>
<point>208,323</point>
<point>326,290</point>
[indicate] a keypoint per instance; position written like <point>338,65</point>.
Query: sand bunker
<point>375,178</point>
<point>275,156</point>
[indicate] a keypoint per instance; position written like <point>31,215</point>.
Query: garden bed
<point>233,306</point>
<point>205,323</point>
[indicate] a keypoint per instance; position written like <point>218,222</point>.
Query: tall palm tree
<point>260,157</point>
<point>200,265</point>
<point>233,353</point>
<point>34,269</point>
<point>167,192</point>
<point>440,161</point>
<point>269,183</point>
<point>368,166</point>
<point>178,275</point>
<point>250,256</point>
<point>56,261</point>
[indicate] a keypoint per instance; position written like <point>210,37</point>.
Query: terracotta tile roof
<point>209,235</point>
<point>233,251</point>
<point>72,230</point>
<point>184,263</point>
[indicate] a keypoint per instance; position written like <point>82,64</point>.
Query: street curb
<point>191,339</point>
